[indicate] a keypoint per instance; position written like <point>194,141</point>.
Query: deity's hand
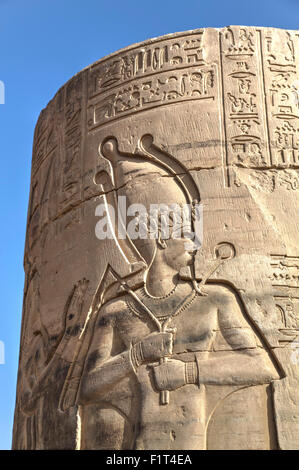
<point>152,348</point>
<point>174,374</point>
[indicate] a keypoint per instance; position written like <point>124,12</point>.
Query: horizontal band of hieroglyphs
<point>159,56</point>
<point>194,83</point>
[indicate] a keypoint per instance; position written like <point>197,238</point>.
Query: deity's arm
<point>103,368</point>
<point>111,358</point>
<point>245,360</point>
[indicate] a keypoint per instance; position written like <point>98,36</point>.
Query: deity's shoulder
<point>220,292</point>
<point>228,302</point>
<point>219,296</point>
<point>112,311</point>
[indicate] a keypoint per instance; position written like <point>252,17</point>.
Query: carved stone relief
<point>184,339</point>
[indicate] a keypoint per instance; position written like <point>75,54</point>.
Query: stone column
<point>143,342</point>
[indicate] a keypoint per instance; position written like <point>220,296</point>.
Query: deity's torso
<point>195,320</point>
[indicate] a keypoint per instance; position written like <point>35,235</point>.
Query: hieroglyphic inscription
<point>45,160</point>
<point>150,59</point>
<point>243,100</point>
<point>281,79</point>
<point>71,174</point>
<point>151,389</point>
<point>285,271</point>
<point>288,308</point>
<point>261,102</point>
<point>170,87</point>
<point>55,192</point>
<point>267,180</point>
<point>285,281</point>
<point>43,205</point>
<point>46,136</point>
<point>159,73</point>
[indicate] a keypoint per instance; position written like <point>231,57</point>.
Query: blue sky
<point>42,44</point>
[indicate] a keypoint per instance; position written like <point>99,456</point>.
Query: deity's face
<point>179,252</point>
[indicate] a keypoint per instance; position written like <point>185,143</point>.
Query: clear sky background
<point>42,44</point>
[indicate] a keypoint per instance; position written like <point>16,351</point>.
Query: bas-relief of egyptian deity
<point>166,358</point>
<point>162,358</point>
<point>42,354</point>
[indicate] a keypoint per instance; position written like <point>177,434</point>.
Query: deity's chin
<point>190,260</point>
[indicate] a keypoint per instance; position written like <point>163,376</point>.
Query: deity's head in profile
<point>166,233</point>
<point>162,205</point>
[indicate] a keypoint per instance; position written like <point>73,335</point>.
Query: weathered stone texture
<point>209,115</point>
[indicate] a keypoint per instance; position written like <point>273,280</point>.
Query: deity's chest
<point>196,327</point>
<point>193,319</point>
